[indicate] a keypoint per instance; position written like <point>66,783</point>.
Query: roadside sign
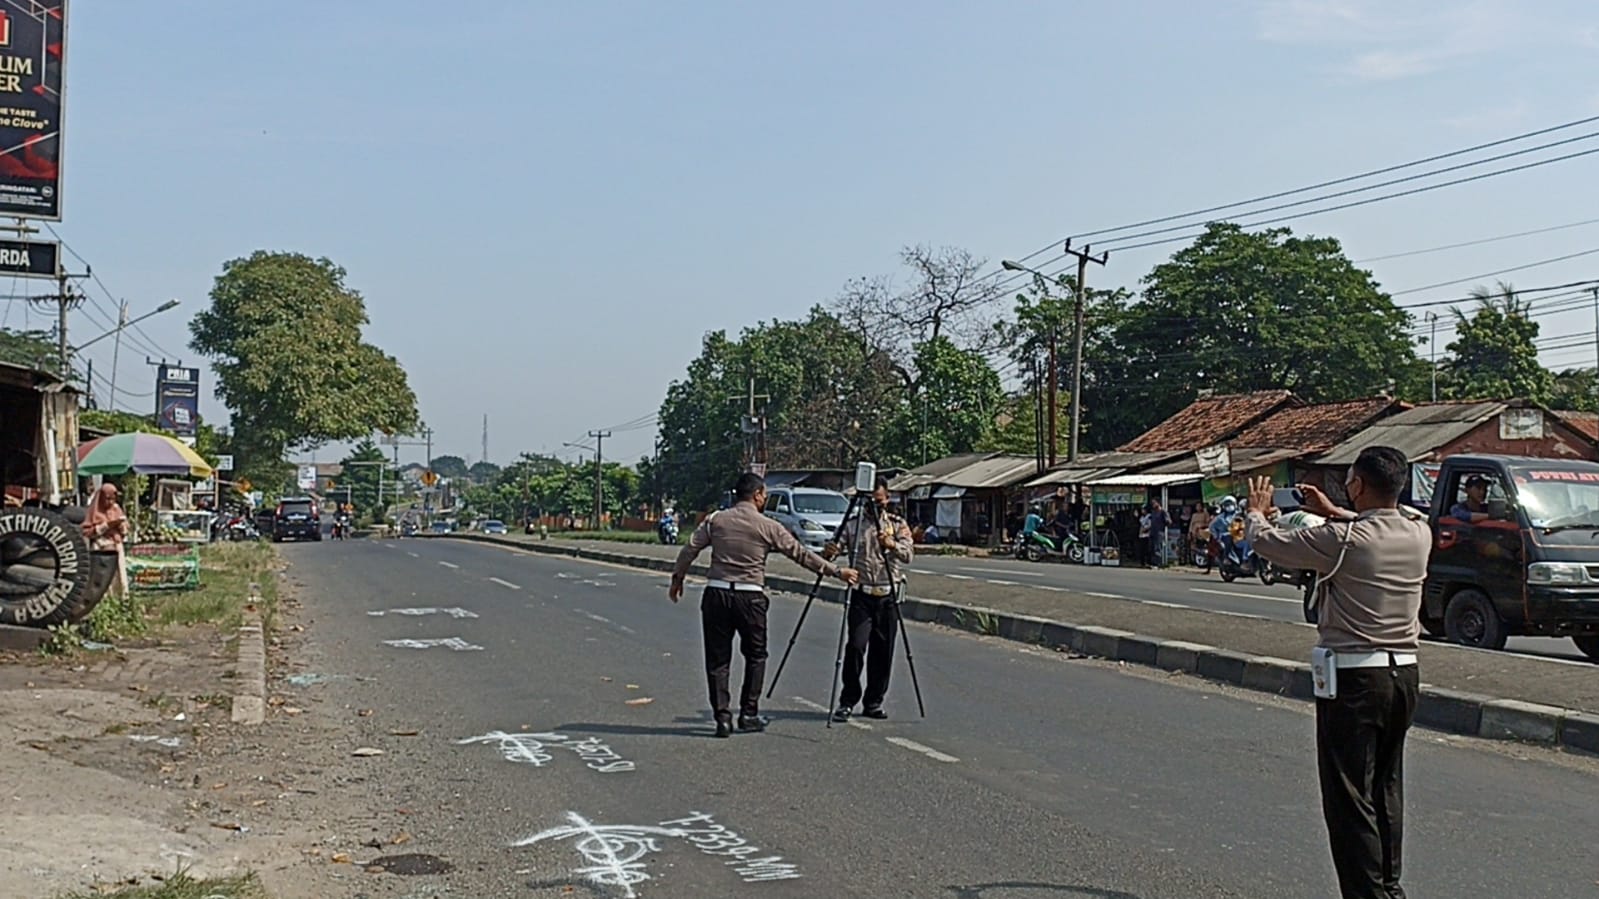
<point>224,463</point>
<point>30,258</point>
<point>430,478</point>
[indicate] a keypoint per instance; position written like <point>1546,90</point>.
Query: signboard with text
<point>33,45</point>
<point>177,400</point>
<point>29,258</point>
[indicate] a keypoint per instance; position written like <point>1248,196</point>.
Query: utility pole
<point>1432,345</point>
<point>485,437</point>
<point>116,349</point>
<point>1083,258</point>
<point>1054,394</point>
<point>754,449</point>
<point>1595,291</point>
<point>599,474</point>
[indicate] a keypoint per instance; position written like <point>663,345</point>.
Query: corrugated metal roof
<point>1586,422</point>
<point>1415,432</point>
<point>1073,476</point>
<point>935,472</point>
<point>1210,420</point>
<point>1242,460</point>
<point>999,471</point>
<point>1145,479</point>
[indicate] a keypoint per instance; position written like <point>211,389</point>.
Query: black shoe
<point>876,714</point>
<point>841,715</point>
<point>724,729</point>
<point>752,724</point>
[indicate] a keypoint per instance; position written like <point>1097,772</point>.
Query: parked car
<point>441,527</point>
<point>809,513</point>
<point>297,518</point>
<point>494,526</point>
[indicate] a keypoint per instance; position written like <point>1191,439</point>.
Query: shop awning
<point>1073,476</point>
<point>948,492</point>
<point>1148,480</point>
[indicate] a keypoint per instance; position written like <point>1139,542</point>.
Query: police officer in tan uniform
<point>740,538</point>
<point>1372,563</point>
<point>881,544</point>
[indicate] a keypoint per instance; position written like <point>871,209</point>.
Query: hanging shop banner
<point>33,45</point>
<point>177,400</point>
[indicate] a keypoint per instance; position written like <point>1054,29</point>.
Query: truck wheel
<point>45,568</point>
<point>1471,620</point>
<point>1589,646</point>
<point>1433,626</point>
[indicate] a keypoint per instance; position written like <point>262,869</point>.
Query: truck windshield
<point>1553,502</point>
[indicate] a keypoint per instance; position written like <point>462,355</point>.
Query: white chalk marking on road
<point>1244,595</point>
<point>454,612</point>
<point>530,749</point>
<point>1106,595</point>
<point>413,555</point>
<point>816,706</point>
<point>593,617</point>
<point>506,584</point>
<point>449,565</point>
<point>615,852</point>
<point>717,841</point>
<point>928,751</point>
<point>453,643</point>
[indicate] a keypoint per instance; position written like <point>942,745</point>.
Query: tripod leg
<point>838,666</point>
<point>909,659</point>
<point>791,640</point>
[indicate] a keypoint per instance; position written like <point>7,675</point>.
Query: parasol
<point>140,453</point>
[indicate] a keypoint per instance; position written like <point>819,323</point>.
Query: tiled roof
<point>1315,427</point>
<point>1586,422</point>
<point>1210,420</point>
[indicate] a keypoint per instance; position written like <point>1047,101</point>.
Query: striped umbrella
<point>140,454</point>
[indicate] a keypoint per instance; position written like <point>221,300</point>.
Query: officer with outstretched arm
<point>1372,563</point>
<point>740,538</point>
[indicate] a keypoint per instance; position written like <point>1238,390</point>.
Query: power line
<point>1476,243</point>
<point>1503,271</point>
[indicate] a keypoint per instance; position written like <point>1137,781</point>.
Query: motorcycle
<point>1038,546</point>
<point>667,531</point>
<point>1232,566</point>
<point>341,528</point>
<point>235,528</point>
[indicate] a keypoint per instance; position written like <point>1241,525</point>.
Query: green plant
<point>115,618</point>
<point>64,641</point>
<point>183,886</point>
<point>985,623</point>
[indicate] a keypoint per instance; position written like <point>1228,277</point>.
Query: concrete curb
<point>1449,711</point>
<point>249,697</point>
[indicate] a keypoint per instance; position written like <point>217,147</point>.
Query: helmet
<point>1229,505</point>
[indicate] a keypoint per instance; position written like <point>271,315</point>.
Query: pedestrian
<point>1158,523</point>
<point>1371,563</point>
<point>740,538</point>
<point>1199,532</point>
<point>880,543</point>
<point>105,527</point>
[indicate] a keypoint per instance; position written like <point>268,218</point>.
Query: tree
<point>452,467</point>
<point>1575,389</point>
<point>363,472</point>
<point>483,472</point>
<point>31,348</point>
<point>1239,311</point>
<point>284,336</point>
<point>954,412</point>
<point>1495,352</point>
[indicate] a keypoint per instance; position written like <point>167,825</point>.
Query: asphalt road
<point>1034,774</point>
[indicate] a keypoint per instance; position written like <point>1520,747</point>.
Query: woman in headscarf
<point>106,527</point>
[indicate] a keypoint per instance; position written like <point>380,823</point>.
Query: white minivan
<point>810,514</point>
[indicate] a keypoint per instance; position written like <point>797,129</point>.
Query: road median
<point>1477,693</point>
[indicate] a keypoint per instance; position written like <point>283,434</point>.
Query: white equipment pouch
<point>1324,673</point>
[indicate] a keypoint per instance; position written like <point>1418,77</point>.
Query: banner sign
<point>1215,461</point>
<point>29,258</point>
<point>177,400</point>
<point>306,478</point>
<point>33,44</point>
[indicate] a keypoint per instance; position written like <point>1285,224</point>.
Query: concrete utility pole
<point>1054,395</point>
<point>753,424</point>
<point>1083,258</point>
<point>599,474</point>
<point>1432,346</point>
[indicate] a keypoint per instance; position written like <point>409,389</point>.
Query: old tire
<point>46,572</point>
<point>1589,646</point>
<point>1472,620</point>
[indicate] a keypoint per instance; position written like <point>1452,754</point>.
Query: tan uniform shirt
<point>878,567</point>
<point>1373,601</point>
<point>740,539</point>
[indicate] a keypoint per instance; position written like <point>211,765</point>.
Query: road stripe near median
<point>1105,595</point>
<point>506,584</point>
<point>1235,593</point>
<point>413,555</point>
<point>449,565</point>
<point>928,751</point>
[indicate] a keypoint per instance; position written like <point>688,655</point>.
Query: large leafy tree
<point>284,336</point>
<point>954,412</point>
<point>32,348</point>
<point>1495,352</point>
<point>1576,389</point>
<point>449,467</point>
<point>1238,311</point>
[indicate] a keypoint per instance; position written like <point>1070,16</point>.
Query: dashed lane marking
<point>506,584</point>
<point>959,577</point>
<point>1005,571</point>
<point>1002,583</point>
<point>928,751</point>
<point>449,565</point>
<point>413,555</point>
<point>1245,595</point>
<point>816,706</point>
<point>391,546</point>
<point>1106,595</point>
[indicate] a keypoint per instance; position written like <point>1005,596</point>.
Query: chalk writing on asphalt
<point>452,612</point>
<point>452,643</point>
<point>713,839</point>
<point>615,853</point>
<point>534,749</point>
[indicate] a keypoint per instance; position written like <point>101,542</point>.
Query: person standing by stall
<point>106,529</point>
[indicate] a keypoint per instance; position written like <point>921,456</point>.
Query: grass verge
<point>616,536</point>
<point>227,571</point>
<point>182,886</point>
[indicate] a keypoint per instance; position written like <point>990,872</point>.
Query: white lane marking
<point>1296,602</point>
<point>1165,605</point>
<point>959,577</point>
<point>600,618</point>
<point>391,546</point>
<point>506,584</point>
<point>1106,595</point>
<point>928,751</point>
<point>816,706</point>
<point>413,555</point>
<point>1051,588</point>
<point>1007,571</point>
<point>449,565</point>
<point>1002,583</point>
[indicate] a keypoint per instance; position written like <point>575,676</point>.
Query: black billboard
<point>177,400</point>
<point>29,258</point>
<point>33,47</point>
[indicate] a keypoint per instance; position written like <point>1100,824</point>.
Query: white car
<point>810,514</point>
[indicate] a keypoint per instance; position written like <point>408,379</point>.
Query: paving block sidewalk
<point>1476,692</point>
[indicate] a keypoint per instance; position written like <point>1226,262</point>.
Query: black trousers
<point>873,625</point>
<point>724,613</point>
<point>1360,748</point>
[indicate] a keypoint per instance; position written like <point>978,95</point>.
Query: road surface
<point>1033,775</point>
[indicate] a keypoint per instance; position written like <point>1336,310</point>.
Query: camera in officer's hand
<point>1287,499</point>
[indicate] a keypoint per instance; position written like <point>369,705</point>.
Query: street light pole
<point>123,323</point>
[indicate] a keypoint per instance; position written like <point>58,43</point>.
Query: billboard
<point>177,399</point>
<point>33,43</point>
<point>29,258</point>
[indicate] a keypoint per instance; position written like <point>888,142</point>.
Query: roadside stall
<point>152,563</point>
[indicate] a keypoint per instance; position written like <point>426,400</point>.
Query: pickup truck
<point>1515,551</point>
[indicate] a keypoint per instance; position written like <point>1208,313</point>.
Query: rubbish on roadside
<point>308,679</point>
<point>168,742</point>
<point>96,646</point>
<point>230,825</point>
<point>632,686</point>
<point>364,713</point>
<point>366,752</point>
<point>341,858</point>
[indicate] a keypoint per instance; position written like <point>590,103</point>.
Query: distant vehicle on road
<point>441,527</point>
<point>493,526</point>
<point>809,513</point>
<point>297,518</point>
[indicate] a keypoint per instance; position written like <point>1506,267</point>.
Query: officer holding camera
<point>880,542</point>
<point>1371,563</point>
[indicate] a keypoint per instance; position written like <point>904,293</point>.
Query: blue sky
<point>547,204</point>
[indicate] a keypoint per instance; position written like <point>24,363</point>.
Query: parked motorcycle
<point>233,528</point>
<point>1038,546</point>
